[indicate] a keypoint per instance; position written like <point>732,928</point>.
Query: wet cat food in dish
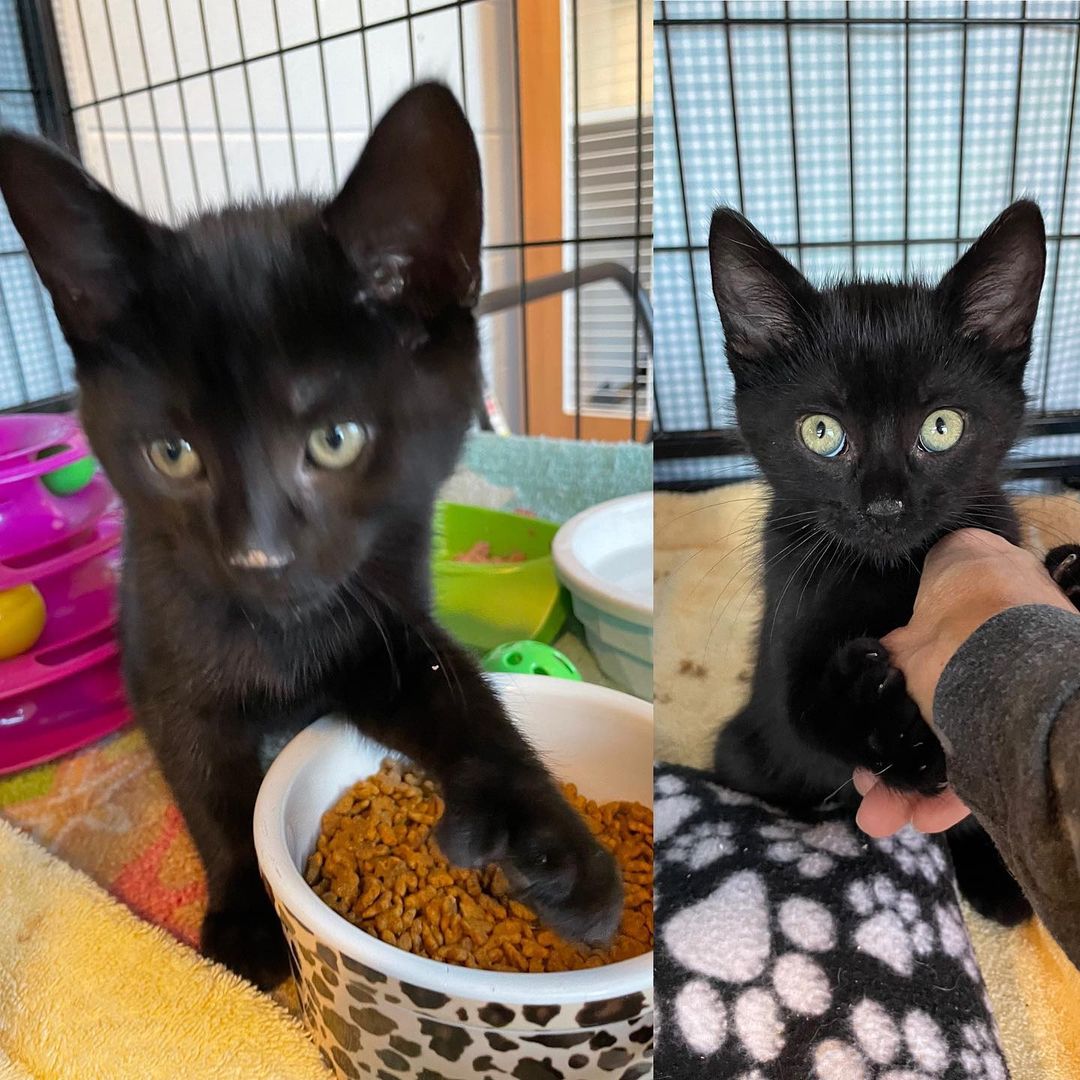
<point>480,552</point>
<point>376,863</point>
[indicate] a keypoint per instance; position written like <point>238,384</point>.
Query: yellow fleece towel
<point>708,603</point>
<point>89,992</point>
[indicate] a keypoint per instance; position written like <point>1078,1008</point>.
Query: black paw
<point>249,940</point>
<point>982,876</point>
<point>882,727</point>
<point>1063,564</point>
<point>551,859</point>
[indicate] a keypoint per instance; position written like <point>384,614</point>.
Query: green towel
<point>553,478</point>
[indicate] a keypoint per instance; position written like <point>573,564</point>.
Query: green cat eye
<point>941,430</point>
<point>336,445</point>
<point>823,434</point>
<point>174,458</point>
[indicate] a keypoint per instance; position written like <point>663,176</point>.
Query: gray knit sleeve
<point>1007,709</point>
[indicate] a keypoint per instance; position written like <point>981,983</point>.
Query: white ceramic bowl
<point>370,1006</point>
<point>604,557</point>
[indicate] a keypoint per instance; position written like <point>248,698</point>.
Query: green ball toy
<point>69,479</point>
<point>530,658</point>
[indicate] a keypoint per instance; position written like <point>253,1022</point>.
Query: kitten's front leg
<point>502,805</point>
<point>213,769</point>
<point>862,712</point>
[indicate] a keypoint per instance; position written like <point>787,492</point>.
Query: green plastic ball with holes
<point>69,479</point>
<point>530,658</point>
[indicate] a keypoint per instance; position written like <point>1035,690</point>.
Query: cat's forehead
<point>884,345</point>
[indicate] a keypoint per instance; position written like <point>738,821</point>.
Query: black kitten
<point>277,392</point>
<point>880,415</point>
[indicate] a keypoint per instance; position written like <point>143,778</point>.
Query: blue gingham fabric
<point>34,360</point>
<point>800,124</point>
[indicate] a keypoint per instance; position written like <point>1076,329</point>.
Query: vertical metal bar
<point>183,104</point>
<point>907,130</point>
<point>215,104</point>
<point>522,317</point>
<point>1016,109</point>
<point>734,109</point>
<point>577,229</point>
<point>5,319</point>
<point>686,225</point>
<point>41,46</point>
<point>153,106</point>
<point>794,138</point>
<point>412,46</point>
<point>94,94</point>
<point>287,97</point>
<point>247,92</point>
<point>852,218</point>
<point>1060,225</point>
<point>325,95</point>
<point>122,99</point>
<point>634,348</point>
<point>963,116</point>
<point>367,69</point>
<point>461,57</point>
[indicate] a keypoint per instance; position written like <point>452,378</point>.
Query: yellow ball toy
<point>22,618</point>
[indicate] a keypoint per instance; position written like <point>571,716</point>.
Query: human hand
<point>968,577</point>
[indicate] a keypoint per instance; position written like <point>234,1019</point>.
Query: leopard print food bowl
<point>375,1010</point>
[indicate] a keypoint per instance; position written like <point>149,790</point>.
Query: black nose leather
<point>885,508</point>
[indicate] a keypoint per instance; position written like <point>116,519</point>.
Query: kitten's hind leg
<point>1063,564</point>
<point>982,876</point>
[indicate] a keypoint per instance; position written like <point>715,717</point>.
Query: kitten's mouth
<point>897,543</point>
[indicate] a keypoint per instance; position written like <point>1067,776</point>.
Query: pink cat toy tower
<point>60,528</point>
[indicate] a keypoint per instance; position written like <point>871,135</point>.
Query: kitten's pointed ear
<point>409,216</point>
<point>762,298</point>
<point>86,245</point>
<point>994,288</point>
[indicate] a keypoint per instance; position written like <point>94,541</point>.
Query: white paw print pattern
<point>702,845</point>
<point>670,812</point>
<point>670,784</point>
<point>955,942</point>
<point>727,938</point>
<point>891,927</point>
<point>880,1048</point>
<point>979,1055</point>
<point>815,850</point>
<point>915,853</point>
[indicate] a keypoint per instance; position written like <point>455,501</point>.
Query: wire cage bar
<point>178,105</point>
<point>863,137</point>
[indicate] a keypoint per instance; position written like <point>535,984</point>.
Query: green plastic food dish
<point>530,658</point>
<point>487,604</point>
<point>69,479</point>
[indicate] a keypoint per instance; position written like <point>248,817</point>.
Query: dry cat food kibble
<point>377,864</point>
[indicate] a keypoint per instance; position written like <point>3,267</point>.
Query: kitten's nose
<point>883,509</point>
<point>256,558</point>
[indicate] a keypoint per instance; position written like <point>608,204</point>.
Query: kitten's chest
<point>833,600</point>
<point>179,646</point>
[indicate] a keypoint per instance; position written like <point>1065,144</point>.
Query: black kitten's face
<point>264,424</point>
<point>270,387</point>
<point>880,413</point>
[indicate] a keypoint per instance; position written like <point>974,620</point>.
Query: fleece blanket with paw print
<point>804,949</point>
